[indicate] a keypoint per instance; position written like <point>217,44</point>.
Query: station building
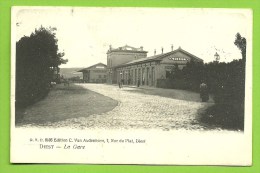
<point>132,66</point>
<point>95,74</point>
<point>119,56</point>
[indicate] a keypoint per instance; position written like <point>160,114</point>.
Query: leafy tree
<point>193,74</point>
<point>37,58</point>
<point>227,81</point>
<point>226,84</point>
<point>240,42</point>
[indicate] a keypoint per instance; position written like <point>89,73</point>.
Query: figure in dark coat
<point>204,95</point>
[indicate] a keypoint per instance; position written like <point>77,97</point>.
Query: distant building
<point>95,74</point>
<point>133,66</point>
<point>69,73</point>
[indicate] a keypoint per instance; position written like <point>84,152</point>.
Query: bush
<point>172,83</point>
<point>225,81</point>
<point>224,116</point>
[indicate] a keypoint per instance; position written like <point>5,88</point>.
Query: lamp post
<point>216,57</point>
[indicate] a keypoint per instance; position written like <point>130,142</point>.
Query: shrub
<point>227,116</point>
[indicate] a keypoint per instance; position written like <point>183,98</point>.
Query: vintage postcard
<point>160,86</point>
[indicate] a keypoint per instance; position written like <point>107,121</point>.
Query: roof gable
<point>193,57</point>
<point>179,56</point>
<point>160,57</point>
<point>95,66</point>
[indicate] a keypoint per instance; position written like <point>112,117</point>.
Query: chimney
<point>162,50</point>
<point>141,48</point>
<point>110,47</point>
<point>172,47</point>
<point>154,51</point>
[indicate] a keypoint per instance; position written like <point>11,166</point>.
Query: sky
<point>84,34</point>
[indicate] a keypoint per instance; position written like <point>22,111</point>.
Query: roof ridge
<point>190,54</point>
<point>159,56</point>
<point>91,66</point>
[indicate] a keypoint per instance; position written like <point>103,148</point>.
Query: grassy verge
<point>64,102</point>
<point>226,116</point>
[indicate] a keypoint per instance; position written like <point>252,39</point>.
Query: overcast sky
<point>84,34</point>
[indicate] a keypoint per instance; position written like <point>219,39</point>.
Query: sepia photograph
<point>162,86</point>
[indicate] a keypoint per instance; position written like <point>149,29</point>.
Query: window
<point>99,76</point>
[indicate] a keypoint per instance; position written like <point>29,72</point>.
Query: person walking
<point>122,82</point>
<point>204,95</point>
<point>119,84</point>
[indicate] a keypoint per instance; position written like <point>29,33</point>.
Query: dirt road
<point>135,110</point>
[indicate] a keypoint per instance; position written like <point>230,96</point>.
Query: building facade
<point>119,56</point>
<point>147,70</point>
<point>95,74</point>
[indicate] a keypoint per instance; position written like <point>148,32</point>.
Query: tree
<point>240,42</point>
<point>193,74</point>
<point>37,58</point>
<point>227,84</point>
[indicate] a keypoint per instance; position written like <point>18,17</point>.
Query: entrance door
<point>143,77</point>
<point>147,76</point>
<point>139,74</point>
<point>135,76</point>
<point>153,76</point>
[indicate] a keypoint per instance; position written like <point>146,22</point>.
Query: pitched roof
<point>187,53</point>
<point>88,68</point>
<point>159,57</point>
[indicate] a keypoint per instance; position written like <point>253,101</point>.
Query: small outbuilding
<point>95,74</point>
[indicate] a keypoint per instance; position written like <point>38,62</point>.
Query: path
<point>137,110</point>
